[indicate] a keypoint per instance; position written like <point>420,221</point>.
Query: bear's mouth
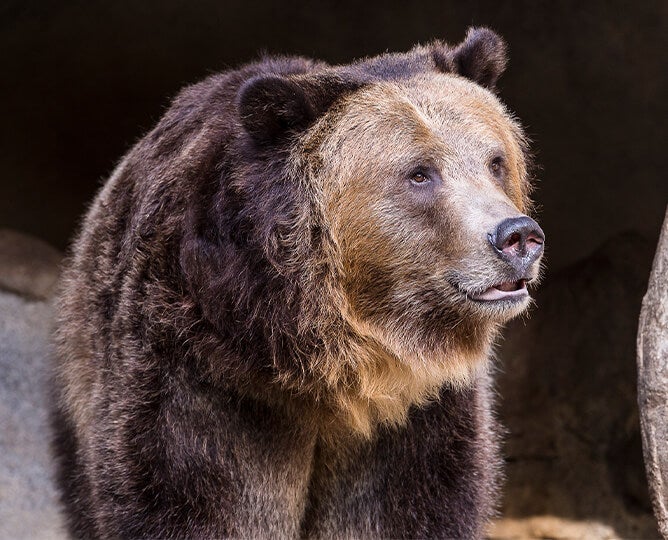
<point>507,290</point>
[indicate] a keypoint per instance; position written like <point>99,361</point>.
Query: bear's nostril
<point>512,240</point>
<point>534,239</point>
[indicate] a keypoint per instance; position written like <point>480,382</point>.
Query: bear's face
<point>400,221</point>
<point>416,178</point>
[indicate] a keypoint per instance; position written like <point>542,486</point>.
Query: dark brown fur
<point>221,368</point>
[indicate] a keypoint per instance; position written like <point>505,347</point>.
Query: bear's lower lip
<point>508,290</point>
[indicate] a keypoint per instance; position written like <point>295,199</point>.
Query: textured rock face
<point>552,527</point>
<point>568,388</point>
<point>28,501</point>
<point>653,381</point>
<point>28,266</point>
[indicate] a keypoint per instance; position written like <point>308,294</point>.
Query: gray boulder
<point>28,501</point>
<point>653,381</point>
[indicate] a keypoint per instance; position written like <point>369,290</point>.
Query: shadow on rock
<point>568,392</point>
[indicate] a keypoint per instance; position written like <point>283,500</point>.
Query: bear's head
<point>398,219</point>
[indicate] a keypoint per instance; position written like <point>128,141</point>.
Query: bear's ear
<point>481,57</point>
<point>271,107</point>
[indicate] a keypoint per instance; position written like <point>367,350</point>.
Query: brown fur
<point>265,319</point>
<point>391,374</point>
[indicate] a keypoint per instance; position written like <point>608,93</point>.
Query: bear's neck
<point>370,385</point>
<point>357,377</point>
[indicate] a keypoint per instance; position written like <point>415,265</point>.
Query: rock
<point>653,381</point>
<point>568,391</point>
<point>549,527</point>
<point>28,266</point>
<point>28,499</point>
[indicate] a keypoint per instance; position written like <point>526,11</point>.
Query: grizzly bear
<point>278,316</point>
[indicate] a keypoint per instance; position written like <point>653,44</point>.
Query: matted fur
<point>264,332</point>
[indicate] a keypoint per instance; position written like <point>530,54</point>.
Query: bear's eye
<point>497,166</point>
<point>420,178</point>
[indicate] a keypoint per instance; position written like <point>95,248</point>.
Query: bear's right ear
<point>481,57</point>
<point>272,107</point>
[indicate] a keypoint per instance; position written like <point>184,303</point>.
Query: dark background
<point>80,81</point>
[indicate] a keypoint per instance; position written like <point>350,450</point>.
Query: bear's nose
<point>519,241</point>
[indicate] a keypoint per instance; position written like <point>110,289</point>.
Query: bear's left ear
<point>272,107</point>
<point>481,57</point>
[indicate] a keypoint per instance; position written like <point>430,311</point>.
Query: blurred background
<point>83,80</point>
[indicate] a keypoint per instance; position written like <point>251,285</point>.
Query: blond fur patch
<point>387,386</point>
<point>373,375</point>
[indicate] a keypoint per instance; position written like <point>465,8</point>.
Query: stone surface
<point>28,267</point>
<point>28,501</point>
<point>568,395</point>
<point>653,380</point>
<point>551,527</point>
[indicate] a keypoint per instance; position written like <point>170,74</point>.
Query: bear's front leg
<point>196,464</point>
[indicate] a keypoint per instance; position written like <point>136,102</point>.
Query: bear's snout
<point>519,242</point>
